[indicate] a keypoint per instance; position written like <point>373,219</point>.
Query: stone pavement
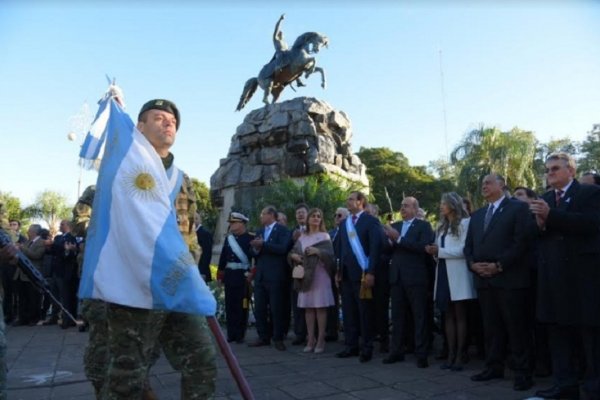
<point>45,362</point>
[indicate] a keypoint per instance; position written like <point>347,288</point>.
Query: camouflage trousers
<point>95,357</point>
<point>184,338</point>
<point>2,355</point>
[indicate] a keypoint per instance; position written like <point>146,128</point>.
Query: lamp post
<point>79,124</point>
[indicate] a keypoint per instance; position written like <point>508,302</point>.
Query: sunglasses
<point>337,215</point>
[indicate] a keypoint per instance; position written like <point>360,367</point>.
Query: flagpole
<point>232,362</point>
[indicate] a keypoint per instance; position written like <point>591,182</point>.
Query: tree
<point>50,207</point>
<point>204,205</point>
<point>12,206</point>
<point>391,170</point>
<point>319,191</point>
<point>485,150</point>
<point>590,151</point>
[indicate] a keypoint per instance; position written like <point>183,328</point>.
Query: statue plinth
<point>293,139</point>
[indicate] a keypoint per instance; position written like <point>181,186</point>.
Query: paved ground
<point>45,362</point>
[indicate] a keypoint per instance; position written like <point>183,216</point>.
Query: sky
<point>532,65</point>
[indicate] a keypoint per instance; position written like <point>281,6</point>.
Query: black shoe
<point>279,345</point>
<point>542,371</point>
<point>522,383</point>
<point>298,341</point>
<point>393,358</point>
<point>422,362</point>
<point>556,392</point>
<point>446,365</point>
<point>67,324</point>
<point>457,367</point>
<point>487,375</point>
<point>365,357</point>
<point>347,353</point>
<point>259,343</point>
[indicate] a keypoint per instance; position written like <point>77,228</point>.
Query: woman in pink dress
<point>314,251</point>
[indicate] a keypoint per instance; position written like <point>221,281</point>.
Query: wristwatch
<point>499,266</point>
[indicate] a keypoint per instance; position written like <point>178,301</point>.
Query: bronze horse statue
<point>286,66</point>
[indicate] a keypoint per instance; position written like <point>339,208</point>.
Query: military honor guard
<point>234,266</point>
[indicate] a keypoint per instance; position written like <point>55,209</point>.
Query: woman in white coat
<point>453,280</point>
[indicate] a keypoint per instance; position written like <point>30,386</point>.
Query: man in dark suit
<point>270,248</point>
<point>496,251</point>
<point>65,270</point>
<point>358,246</point>
<point>205,240</point>
<point>409,280</point>
<point>568,222</point>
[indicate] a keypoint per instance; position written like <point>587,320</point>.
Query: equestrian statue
<point>286,66</point>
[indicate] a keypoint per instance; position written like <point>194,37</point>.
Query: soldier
<point>134,332</point>
<point>234,267</point>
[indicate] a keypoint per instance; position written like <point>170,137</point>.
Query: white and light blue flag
<point>134,254</point>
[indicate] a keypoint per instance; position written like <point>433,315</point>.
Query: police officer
<point>234,266</point>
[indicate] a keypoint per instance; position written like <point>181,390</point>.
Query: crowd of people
<point>515,278</point>
<point>56,258</point>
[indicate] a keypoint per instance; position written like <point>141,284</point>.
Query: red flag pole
<point>232,362</point>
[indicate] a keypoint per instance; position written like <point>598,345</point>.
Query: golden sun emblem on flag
<point>141,184</point>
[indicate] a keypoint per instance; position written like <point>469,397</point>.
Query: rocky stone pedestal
<point>293,139</point>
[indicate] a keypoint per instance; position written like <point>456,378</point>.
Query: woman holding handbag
<point>312,259</point>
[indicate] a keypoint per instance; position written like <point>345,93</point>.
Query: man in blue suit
<point>358,247</point>
<point>270,247</point>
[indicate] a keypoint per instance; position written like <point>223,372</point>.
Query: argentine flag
<point>134,254</point>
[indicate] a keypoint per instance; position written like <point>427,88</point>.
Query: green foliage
<point>590,151</point>
<point>319,191</point>
<point>12,207</point>
<point>485,150</point>
<point>390,170</point>
<point>50,207</point>
<point>204,205</point>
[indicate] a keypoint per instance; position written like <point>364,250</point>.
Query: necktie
<point>558,193</point>
<point>488,217</point>
<point>354,218</point>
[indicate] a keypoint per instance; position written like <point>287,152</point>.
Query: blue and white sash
<point>237,250</point>
<point>357,249</point>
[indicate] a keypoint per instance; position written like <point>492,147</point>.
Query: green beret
<point>161,104</point>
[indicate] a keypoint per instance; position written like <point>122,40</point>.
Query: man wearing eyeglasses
<point>568,221</point>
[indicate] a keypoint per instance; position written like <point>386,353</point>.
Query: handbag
<point>298,272</point>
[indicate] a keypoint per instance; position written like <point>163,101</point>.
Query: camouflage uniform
<point>96,356</point>
<point>184,338</point>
